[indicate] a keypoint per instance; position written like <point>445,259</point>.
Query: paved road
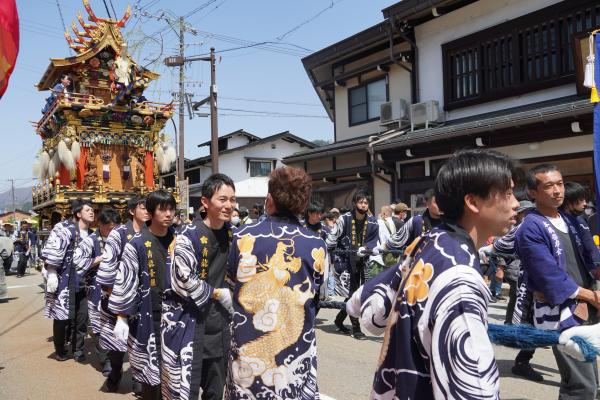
<point>346,366</point>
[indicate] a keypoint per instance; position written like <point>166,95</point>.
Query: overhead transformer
<point>101,138</point>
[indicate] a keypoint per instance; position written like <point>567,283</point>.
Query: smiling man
<point>199,308</point>
<point>436,344</point>
<point>560,262</point>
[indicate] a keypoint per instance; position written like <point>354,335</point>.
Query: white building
<point>247,159</point>
<point>506,75</point>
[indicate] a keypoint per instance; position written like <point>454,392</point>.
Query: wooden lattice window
<point>532,52</point>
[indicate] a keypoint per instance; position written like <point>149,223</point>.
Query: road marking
<point>325,397</point>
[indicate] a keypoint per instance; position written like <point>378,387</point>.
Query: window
<point>169,181</point>
<point>529,53</point>
<point>364,101</point>
<point>193,176</point>
<point>435,166</point>
<point>260,168</point>
<point>412,171</point>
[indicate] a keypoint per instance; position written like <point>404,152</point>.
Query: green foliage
<point>322,142</point>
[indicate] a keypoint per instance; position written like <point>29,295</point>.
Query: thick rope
<point>524,337</point>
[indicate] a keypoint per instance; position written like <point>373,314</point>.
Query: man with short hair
<point>575,201</point>
<point>436,344</point>
<point>22,248</point>
<point>86,258</point>
<point>139,287</point>
<point>65,297</point>
<point>198,299</point>
<point>313,220</point>
<point>400,213</point>
<point>414,227</point>
<point>560,262</point>
<point>105,277</point>
<point>358,232</point>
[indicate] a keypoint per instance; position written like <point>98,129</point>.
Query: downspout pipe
<point>373,140</point>
<point>414,72</point>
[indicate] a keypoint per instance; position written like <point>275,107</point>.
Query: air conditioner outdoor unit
<point>427,114</point>
<point>393,112</point>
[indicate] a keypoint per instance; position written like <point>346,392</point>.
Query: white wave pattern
<point>184,274</point>
<point>144,360</point>
<point>107,270</point>
<point>123,298</point>
<point>56,253</point>
<point>176,366</point>
<point>453,330</point>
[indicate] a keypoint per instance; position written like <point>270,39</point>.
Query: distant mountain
<point>22,197</point>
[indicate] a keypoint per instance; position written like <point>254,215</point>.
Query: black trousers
<point>116,363</point>
<point>7,263</point>
<point>211,379</point>
<point>22,264</point>
<point>512,301</point>
<point>357,278</point>
<point>524,356</point>
<point>78,328</point>
<point>100,352</point>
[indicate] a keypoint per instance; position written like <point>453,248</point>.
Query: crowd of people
<point>18,251</point>
<point>224,306</point>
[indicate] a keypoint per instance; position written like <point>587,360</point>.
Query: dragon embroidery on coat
<point>277,309</point>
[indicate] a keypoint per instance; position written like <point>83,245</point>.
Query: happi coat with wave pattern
<point>436,344</point>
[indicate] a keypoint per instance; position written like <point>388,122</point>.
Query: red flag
<point>9,41</point>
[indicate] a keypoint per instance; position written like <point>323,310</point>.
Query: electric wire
<point>106,7</point>
<point>113,9</point>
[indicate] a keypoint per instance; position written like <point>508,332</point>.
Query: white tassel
<point>53,166</point>
<point>65,156</point>
<point>588,79</point>
<point>44,161</point>
<point>76,150</point>
<point>159,155</point>
<point>170,158</point>
<point>36,168</point>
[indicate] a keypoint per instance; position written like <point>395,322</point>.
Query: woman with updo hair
<point>276,267</point>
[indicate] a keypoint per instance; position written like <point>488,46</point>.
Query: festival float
<point>101,138</point>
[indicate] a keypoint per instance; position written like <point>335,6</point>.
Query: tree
<point>322,142</point>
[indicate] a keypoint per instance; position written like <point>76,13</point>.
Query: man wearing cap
<point>335,212</point>
<point>414,227</point>
<point>400,212</point>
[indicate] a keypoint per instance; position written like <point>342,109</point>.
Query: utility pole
<point>181,158</point>
<point>214,129</point>
<point>12,184</point>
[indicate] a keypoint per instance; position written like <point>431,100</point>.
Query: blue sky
<point>248,79</point>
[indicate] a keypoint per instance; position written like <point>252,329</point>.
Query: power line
<point>215,8</point>
<point>271,101</point>
<point>106,7</point>
<point>267,115</point>
<point>261,112</point>
<point>199,8</point>
<point>113,9</point>
<point>317,15</point>
<point>275,47</point>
